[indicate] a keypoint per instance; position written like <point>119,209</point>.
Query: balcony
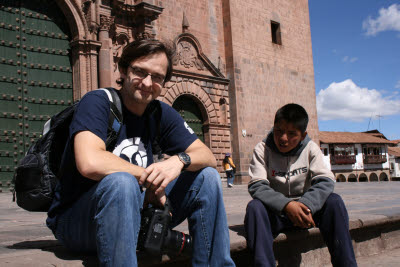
<point>340,159</point>
<point>374,159</point>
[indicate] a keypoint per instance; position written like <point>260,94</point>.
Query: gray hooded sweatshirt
<point>300,174</point>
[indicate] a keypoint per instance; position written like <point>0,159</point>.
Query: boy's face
<point>287,136</point>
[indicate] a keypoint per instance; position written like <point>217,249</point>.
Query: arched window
<point>383,177</point>
<point>373,177</point>
<point>363,178</point>
<point>340,178</point>
<point>352,177</point>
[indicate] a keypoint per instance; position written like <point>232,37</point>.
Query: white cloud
<point>349,59</point>
<point>353,59</point>
<point>347,101</point>
<point>388,19</point>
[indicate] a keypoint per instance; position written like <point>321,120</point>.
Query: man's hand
<point>157,176</point>
<point>299,214</point>
<point>156,200</point>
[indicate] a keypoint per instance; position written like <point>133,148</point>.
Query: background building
<point>237,63</point>
<point>394,160</point>
<point>356,157</point>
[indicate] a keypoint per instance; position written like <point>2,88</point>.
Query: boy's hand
<point>299,214</point>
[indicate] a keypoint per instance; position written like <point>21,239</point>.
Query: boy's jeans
<point>262,225</point>
<point>106,219</point>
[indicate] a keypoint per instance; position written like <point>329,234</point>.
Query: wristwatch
<point>185,159</point>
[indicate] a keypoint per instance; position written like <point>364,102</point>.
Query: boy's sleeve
<point>322,181</point>
<point>259,185</point>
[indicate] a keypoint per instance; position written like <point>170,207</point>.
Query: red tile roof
<point>376,133</point>
<point>395,151</point>
<point>350,138</point>
<point>396,142</point>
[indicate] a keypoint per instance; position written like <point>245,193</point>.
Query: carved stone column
<point>84,60</point>
<point>105,53</point>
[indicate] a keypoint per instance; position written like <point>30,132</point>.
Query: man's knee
<point>119,183</point>
<point>210,176</point>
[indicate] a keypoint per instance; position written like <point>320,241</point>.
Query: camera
<point>156,238</point>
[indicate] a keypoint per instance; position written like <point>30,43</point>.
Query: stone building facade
<point>237,61</point>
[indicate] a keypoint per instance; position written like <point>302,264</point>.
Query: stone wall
<point>231,68</point>
<point>266,75</point>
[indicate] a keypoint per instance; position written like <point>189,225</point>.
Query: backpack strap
<point>115,118</point>
<point>156,142</point>
<point>154,109</point>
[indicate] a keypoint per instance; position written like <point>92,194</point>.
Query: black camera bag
<point>36,175</point>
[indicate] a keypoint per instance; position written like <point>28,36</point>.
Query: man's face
<point>139,88</point>
<point>287,136</point>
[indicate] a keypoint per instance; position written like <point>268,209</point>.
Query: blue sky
<point>356,51</point>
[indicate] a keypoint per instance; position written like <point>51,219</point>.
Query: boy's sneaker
<point>230,185</point>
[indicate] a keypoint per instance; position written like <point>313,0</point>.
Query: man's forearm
<point>106,163</point>
<point>95,162</point>
<point>201,157</point>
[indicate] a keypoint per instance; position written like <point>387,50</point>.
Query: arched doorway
<point>363,178</point>
<point>190,111</point>
<point>340,178</point>
<point>352,178</point>
<point>373,177</point>
<point>383,177</point>
<point>36,75</point>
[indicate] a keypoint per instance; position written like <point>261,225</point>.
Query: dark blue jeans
<point>230,177</point>
<point>106,219</point>
<point>262,225</point>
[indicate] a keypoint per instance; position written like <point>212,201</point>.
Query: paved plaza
<point>26,241</point>
<point>363,200</point>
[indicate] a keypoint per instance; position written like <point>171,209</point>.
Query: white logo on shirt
<point>188,128</point>
<point>132,150</point>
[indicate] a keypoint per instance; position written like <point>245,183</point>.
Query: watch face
<point>185,158</point>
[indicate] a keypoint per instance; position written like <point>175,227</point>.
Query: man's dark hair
<point>293,113</point>
<point>141,48</point>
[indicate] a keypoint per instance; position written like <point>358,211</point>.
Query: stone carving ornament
<point>106,22</point>
<point>187,56</point>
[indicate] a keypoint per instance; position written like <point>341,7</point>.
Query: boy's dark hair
<point>141,48</point>
<point>293,113</point>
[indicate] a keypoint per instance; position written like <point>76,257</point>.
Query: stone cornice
<point>201,77</point>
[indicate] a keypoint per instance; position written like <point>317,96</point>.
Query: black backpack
<point>36,175</point>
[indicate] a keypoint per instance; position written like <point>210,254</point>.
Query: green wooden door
<point>191,113</point>
<point>35,78</point>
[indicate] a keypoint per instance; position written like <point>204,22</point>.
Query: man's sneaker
<point>230,185</point>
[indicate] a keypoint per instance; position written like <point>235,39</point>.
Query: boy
<point>291,187</point>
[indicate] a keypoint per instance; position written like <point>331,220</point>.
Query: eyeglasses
<point>142,74</point>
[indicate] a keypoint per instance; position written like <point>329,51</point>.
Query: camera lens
<point>177,243</point>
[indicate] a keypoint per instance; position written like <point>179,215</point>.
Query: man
<point>99,197</point>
